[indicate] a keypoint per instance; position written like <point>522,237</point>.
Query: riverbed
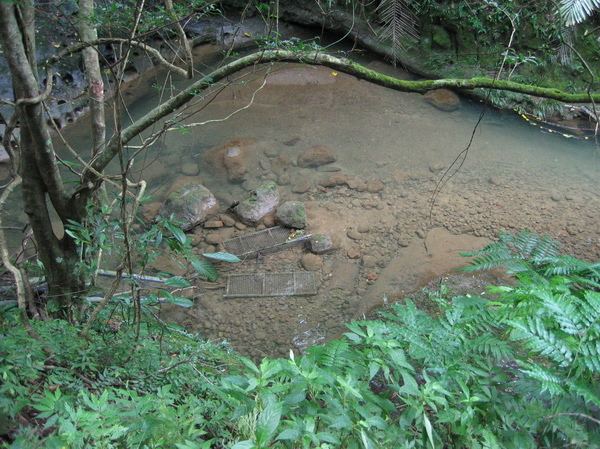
<point>447,182</point>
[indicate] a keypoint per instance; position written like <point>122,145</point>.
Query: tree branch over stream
<point>340,64</point>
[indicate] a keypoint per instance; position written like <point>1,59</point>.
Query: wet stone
<point>353,253</point>
<point>329,168</point>
<point>214,238</point>
<point>311,262</point>
<point>213,224</point>
<point>375,186</point>
<point>354,234</point>
<point>301,186</point>
<point>369,261</point>
<point>227,220</point>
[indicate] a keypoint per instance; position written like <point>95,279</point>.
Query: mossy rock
<point>262,201</point>
<point>190,205</point>
<point>291,214</point>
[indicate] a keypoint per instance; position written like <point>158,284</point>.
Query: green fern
<point>335,355</point>
<point>536,336</point>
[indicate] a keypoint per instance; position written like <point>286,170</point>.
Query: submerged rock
<point>231,160</point>
<point>320,243</point>
<point>316,156</point>
<point>190,204</point>
<point>443,99</point>
<point>291,214</point>
<point>311,262</point>
<point>262,201</point>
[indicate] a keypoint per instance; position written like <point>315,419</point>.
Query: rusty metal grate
<point>263,241</point>
<point>271,284</point>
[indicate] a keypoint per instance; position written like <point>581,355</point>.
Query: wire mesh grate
<point>271,284</point>
<point>263,241</point>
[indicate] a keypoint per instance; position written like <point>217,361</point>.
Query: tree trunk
<point>91,64</point>
<point>37,163</point>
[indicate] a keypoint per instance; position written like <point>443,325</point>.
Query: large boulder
<point>291,214</point>
<point>231,160</point>
<point>261,202</point>
<point>443,99</point>
<point>316,156</point>
<point>190,204</point>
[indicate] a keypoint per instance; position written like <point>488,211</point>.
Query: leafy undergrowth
<point>519,370</point>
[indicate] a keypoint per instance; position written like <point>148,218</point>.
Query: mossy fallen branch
<point>339,64</point>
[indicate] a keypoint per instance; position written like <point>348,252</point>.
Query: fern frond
<point>488,345</point>
<point>541,340</point>
<point>590,355</point>
<point>549,381</point>
<point>590,308</point>
<point>576,11</point>
<point>564,310</point>
<point>337,355</point>
<point>582,388</point>
<point>399,24</point>
<point>530,245</point>
<point>519,253</point>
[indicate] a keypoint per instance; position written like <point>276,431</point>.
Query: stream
<point>394,150</point>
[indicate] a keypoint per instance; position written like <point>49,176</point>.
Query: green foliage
<point>112,390</point>
<point>103,233</point>
<point>521,371</point>
<point>523,252</point>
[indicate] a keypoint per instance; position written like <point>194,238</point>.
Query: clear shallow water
<point>515,177</point>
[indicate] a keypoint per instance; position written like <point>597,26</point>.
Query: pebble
<point>354,234</point>
<point>374,186</point>
<point>214,238</point>
<point>433,168</point>
<point>265,164</point>
<point>211,224</point>
<point>227,220</point>
<point>353,254</point>
<point>311,262</point>
<point>302,186</point>
<point>190,169</point>
<point>369,261</point>
<point>329,168</point>
<point>363,228</point>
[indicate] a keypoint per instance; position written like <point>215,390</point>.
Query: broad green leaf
<point>180,301</point>
<point>328,438</point>
<point>429,429</point>
<point>223,257</point>
<point>177,232</point>
<point>289,434</point>
<point>204,268</point>
<point>247,444</point>
<point>268,421</point>
<point>177,281</point>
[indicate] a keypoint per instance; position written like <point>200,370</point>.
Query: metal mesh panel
<point>262,241</point>
<point>271,284</point>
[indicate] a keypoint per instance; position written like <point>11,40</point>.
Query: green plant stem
<point>107,297</point>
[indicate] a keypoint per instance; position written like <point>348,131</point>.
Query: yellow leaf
<point>247,34</point>
<point>334,73</point>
